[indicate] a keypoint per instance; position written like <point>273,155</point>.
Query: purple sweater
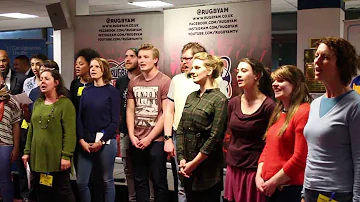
<point>99,110</point>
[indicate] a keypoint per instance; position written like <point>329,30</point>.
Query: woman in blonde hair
<point>200,133</point>
<point>98,119</point>
<point>281,166</point>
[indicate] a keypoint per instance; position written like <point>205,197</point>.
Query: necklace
<point>50,116</point>
<point>285,111</point>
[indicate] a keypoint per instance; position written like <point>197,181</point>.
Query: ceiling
<point>37,7</point>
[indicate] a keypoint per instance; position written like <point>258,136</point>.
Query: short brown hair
<point>347,61</point>
<point>105,68</point>
<point>195,47</point>
<point>149,46</point>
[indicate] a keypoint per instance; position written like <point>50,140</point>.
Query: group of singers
<point>284,145</point>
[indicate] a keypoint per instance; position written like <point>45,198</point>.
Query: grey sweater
<point>333,161</point>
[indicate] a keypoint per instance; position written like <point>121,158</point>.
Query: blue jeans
<point>104,159</point>
<point>6,186</point>
<point>312,196</point>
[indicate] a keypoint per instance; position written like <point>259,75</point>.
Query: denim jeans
<point>6,185</point>
<point>104,160</point>
<point>312,196</point>
<point>150,160</point>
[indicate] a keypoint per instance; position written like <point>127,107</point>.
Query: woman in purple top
<point>248,116</point>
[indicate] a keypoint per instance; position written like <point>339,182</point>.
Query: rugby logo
<point>117,68</point>
<point>226,74</point>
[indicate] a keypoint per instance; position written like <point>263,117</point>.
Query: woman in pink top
<point>282,163</point>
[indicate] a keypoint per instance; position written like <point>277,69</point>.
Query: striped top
<point>12,114</point>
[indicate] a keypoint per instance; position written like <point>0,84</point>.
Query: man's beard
<point>133,68</point>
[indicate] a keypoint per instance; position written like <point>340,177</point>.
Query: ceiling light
<point>18,15</point>
<point>151,4</point>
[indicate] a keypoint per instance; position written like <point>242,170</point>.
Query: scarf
<point>4,97</point>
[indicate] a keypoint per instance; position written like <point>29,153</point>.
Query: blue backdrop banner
<point>28,47</point>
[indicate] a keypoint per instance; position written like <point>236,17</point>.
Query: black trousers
<point>60,191</point>
<point>209,195</point>
<point>150,160</point>
<point>288,193</point>
<point>23,182</point>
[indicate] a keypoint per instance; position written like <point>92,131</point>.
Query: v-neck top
<point>333,161</point>
<point>327,104</point>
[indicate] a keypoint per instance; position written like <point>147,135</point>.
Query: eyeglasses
<point>186,59</point>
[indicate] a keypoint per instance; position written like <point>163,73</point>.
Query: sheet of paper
<point>99,135</point>
<point>22,98</point>
<point>28,175</point>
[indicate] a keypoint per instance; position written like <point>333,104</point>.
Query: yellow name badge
<point>24,124</point>
<point>46,180</point>
<point>323,198</point>
<point>356,88</point>
<point>80,90</point>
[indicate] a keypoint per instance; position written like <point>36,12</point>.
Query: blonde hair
<point>148,46</point>
<point>300,94</point>
<point>211,62</point>
<point>105,68</point>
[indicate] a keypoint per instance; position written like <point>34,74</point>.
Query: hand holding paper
<point>22,99</point>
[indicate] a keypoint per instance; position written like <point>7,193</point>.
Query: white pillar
<point>64,40</point>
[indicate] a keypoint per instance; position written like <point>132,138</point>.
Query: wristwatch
<point>166,137</point>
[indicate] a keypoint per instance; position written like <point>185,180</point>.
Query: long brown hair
<point>60,88</point>
<point>300,94</point>
<point>264,76</point>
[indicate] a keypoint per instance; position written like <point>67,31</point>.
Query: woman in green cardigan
<point>51,140</point>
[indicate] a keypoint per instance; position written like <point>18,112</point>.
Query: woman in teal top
<point>51,140</point>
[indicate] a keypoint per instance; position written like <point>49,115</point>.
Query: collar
<point>28,71</point>
<point>208,91</point>
<point>9,74</point>
<point>187,75</point>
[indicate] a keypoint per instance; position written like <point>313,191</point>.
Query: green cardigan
<point>48,146</point>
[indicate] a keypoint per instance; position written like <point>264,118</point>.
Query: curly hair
<point>88,54</point>
<point>347,60</point>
